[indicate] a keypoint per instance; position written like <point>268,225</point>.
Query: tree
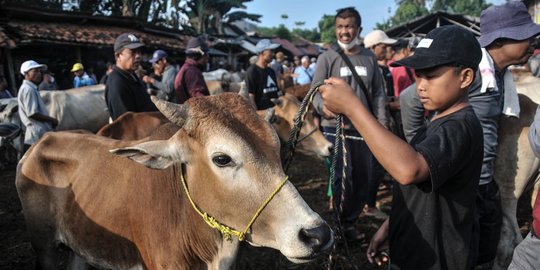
<point>327,28</point>
<point>283,32</point>
<point>406,11</point>
<point>468,7</point>
<point>206,16</point>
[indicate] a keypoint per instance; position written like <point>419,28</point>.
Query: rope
<point>339,140</point>
<point>225,231</point>
<point>298,122</point>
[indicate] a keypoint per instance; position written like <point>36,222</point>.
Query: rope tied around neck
<point>226,231</point>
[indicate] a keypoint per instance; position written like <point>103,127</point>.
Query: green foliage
<point>283,32</point>
<point>327,28</point>
<point>467,7</point>
<point>312,35</point>
<point>406,11</point>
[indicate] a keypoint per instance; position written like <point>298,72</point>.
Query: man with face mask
<point>359,169</point>
<point>124,91</point>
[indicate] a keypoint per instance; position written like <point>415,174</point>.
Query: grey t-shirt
<point>30,103</point>
<point>331,64</point>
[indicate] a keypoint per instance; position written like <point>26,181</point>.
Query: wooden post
<point>11,73</point>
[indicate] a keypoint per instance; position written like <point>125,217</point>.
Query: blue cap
<point>265,44</point>
<point>511,20</point>
<point>158,55</point>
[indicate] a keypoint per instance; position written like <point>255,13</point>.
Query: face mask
<point>356,41</point>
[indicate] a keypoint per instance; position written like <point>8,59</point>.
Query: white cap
<point>28,65</point>
<point>376,37</point>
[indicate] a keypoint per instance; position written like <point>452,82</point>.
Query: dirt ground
<point>309,176</point>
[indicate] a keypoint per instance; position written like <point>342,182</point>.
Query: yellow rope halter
<point>226,232</point>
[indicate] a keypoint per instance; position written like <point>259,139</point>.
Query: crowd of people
<point>424,111</point>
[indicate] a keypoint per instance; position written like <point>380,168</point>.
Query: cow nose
<point>318,238</point>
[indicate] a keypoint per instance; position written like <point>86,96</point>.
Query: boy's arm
<point>399,158</point>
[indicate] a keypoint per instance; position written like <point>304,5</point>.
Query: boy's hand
<point>338,96</point>
<point>378,242</point>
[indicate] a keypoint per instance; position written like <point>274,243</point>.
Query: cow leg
<point>510,236</point>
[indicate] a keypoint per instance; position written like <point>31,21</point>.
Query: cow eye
<point>222,160</point>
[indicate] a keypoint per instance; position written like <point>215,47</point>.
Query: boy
<point>432,222</point>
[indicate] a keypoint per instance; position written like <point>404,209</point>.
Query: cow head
<point>232,162</point>
<point>311,140</point>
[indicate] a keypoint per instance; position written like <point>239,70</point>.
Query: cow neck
<point>225,231</point>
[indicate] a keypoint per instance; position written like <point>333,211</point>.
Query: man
<point>124,91</point>
<point>303,74</point>
<point>260,78</point>
<point>81,78</point>
<point>49,82</point>
<point>103,79</point>
<point>379,43</point>
<point>189,81</point>
<point>403,76</point>
<point>166,72</point>
<point>32,110</point>
<point>359,157</point>
<point>4,91</point>
<point>507,38</point>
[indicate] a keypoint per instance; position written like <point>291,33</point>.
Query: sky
<point>311,11</point>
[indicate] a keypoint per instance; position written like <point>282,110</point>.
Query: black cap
<point>197,45</point>
<point>126,41</point>
<point>450,44</point>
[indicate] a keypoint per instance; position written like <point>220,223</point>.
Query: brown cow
<point>133,125</point>
<point>88,193</point>
<point>311,140</point>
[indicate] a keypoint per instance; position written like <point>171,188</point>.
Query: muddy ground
<point>309,176</point>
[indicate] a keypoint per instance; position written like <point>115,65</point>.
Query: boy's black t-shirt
<point>432,223</point>
<point>262,84</point>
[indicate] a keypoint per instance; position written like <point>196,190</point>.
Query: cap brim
<point>421,62</point>
<point>521,32</point>
<point>270,47</point>
<point>389,41</point>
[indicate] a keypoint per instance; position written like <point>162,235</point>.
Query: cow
<point>515,166</point>
<point>133,125</point>
<point>77,108</point>
<point>311,139</point>
<point>140,204</point>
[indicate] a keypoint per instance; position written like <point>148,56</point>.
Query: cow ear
<point>154,154</point>
<point>277,101</point>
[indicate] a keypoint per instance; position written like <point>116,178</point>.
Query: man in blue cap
<point>189,81</point>
<point>260,77</point>
<point>507,38</point>
<point>167,73</point>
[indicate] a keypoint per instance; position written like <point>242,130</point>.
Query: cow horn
<point>244,92</point>
<point>176,113</point>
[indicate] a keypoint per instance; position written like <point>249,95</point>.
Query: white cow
<point>515,166</point>
<point>79,108</point>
